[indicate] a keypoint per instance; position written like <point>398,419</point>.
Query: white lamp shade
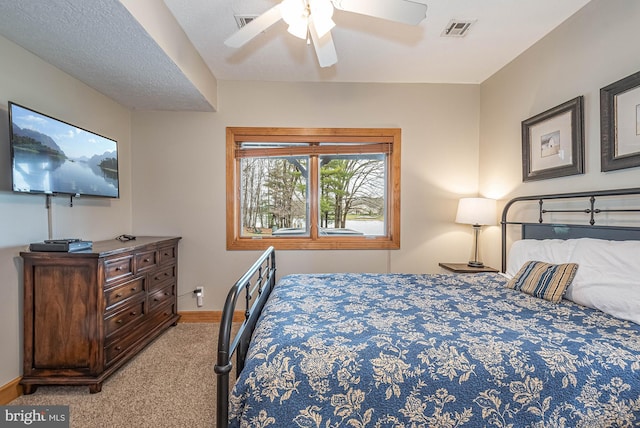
<point>321,13</point>
<point>323,25</point>
<point>297,13</point>
<point>292,10</point>
<point>298,29</point>
<point>481,211</point>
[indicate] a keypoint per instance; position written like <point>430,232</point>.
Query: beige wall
<point>595,47</point>
<point>179,173</point>
<point>27,80</point>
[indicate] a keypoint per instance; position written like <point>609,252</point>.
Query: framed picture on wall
<point>620,124</point>
<point>553,142</point>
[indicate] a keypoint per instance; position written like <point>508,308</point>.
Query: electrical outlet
<point>199,293</point>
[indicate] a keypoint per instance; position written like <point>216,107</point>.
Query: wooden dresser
<point>87,313</point>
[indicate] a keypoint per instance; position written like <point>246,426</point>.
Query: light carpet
<point>171,383</point>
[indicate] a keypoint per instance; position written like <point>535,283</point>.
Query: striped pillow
<point>544,280</point>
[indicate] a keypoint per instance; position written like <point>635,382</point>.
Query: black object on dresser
<point>62,245</point>
<point>87,313</point>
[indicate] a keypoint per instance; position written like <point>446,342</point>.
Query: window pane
<point>313,188</point>
<point>273,196</point>
<point>352,195</point>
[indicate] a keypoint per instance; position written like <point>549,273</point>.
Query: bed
<point>410,350</point>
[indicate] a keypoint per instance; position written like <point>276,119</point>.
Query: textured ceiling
<point>102,44</point>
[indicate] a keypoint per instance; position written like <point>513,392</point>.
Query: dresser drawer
<point>162,313</point>
<point>123,317</point>
<point>146,260</point>
<point>161,296</point>
<point>157,279</point>
<point>118,347</point>
<point>167,255</point>
<point>123,292</point>
<point>118,268</point>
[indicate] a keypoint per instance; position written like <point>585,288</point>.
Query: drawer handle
<point>146,260</point>
<point>118,348</point>
<point>134,313</point>
<point>166,293</point>
<point>134,288</point>
<point>165,274</point>
<point>118,295</point>
<point>120,321</point>
<point>166,254</point>
<point>118,268</point>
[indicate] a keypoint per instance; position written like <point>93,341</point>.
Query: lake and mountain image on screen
<point>50,156</point>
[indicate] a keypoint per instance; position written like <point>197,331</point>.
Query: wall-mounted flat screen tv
<point>50,156</point>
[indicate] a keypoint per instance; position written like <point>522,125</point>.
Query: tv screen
<point>50,156</point>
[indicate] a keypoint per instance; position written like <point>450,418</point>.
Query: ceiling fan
<point>311,20</point>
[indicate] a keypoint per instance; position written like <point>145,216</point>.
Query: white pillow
<point>555,251</point>
<point>608,277</point>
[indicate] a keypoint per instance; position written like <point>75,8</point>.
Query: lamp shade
<point>295,13</point>
<point>480,211</point>
<point>321,12</point>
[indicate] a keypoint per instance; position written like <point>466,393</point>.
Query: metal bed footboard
<point>256,285</point>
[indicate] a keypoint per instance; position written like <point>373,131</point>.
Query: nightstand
<point>464,268</point>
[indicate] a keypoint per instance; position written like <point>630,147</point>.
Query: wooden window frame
<point>386,137</point>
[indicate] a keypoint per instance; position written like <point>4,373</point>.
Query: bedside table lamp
<point>476,212</point>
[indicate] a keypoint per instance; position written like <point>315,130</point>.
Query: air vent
<point>243,20</point>
<point>457,28</point>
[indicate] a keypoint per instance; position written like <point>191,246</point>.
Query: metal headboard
<point>588,229</point>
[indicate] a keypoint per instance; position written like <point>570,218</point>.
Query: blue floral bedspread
<point>404,350</point>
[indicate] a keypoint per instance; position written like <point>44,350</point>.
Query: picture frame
<point>553,142</point>
<point>620,124</point>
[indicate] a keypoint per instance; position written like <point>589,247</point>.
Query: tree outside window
<point>301,188</point>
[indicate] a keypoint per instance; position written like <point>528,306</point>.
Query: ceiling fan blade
<point>325,49</point>
<point>405,11</point>
<point>255,27</point>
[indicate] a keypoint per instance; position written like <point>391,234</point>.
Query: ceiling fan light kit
<point>312,19</point>
<point>298,14</point>
<point>321,12</point>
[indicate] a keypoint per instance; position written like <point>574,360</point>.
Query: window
<point>313,188</point>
